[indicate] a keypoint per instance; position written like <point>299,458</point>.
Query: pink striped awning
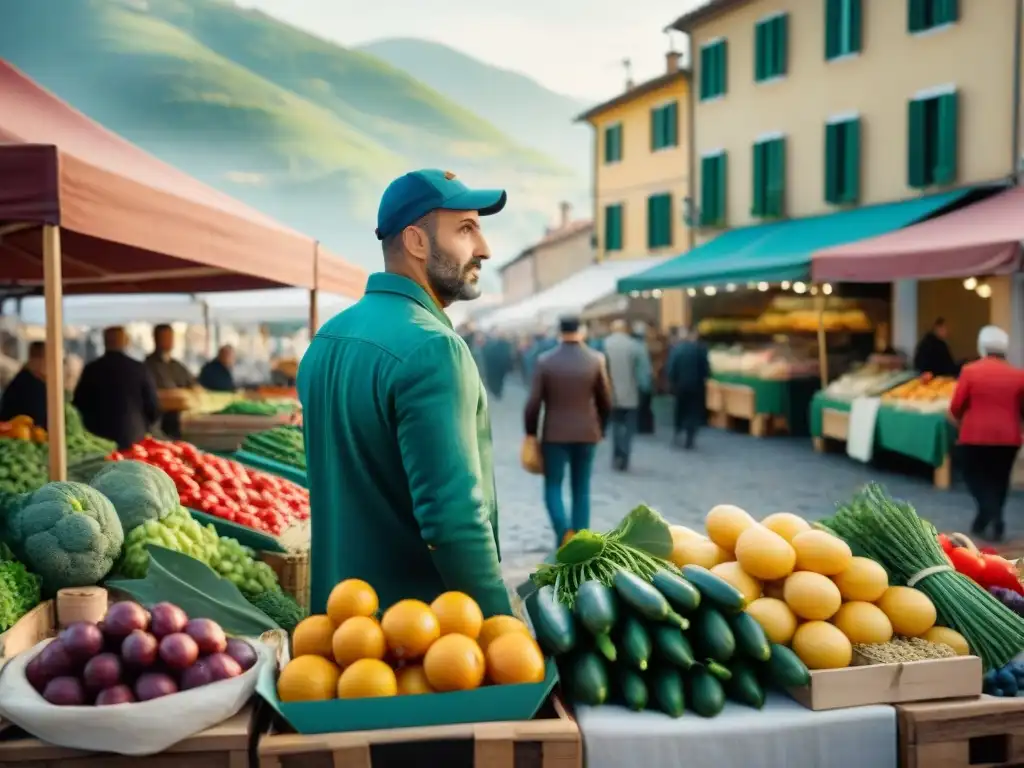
<point>981,239</point>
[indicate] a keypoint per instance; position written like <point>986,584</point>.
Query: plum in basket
<point>65,691</point>
<point>82,640</point>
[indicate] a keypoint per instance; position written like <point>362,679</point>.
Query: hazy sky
<point>571,46</point>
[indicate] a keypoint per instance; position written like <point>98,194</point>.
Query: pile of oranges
<point>414,648</point>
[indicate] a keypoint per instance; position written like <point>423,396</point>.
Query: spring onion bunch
<point>640,544</point>
<point>891,533</point>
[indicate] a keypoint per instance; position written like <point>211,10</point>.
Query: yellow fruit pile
<point>415,648</point>
<point>804,586</point>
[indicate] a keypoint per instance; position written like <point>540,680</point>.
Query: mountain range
<point>300,127</point>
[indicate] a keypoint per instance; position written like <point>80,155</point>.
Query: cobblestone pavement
<point>761,476</point>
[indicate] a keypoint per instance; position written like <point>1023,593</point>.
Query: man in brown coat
<point>570,384</point>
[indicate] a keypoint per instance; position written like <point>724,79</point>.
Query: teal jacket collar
<point>387,282</point>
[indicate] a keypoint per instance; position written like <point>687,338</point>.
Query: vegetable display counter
<point>768,404</point>
<point>927,437</point>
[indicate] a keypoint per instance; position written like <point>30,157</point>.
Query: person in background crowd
<point>932,354</point>
<point>630,373</point>
<point>644,411</point>
<point>217,375</point>
<point>571,386</point>
<point>687,371</point>
<point>533,351</point>
<point>987,406</point>
<point>498,358</point>
<point>116,394</point>
<point>595,339</point>
<point>398,435</point>
<point>26,394</point>
<point>168,373</point>
<point>73,365</point>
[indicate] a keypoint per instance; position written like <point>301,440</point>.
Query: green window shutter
<point>760,50</point>
<point>656,140</point>
<point>613,228</point>
<point>721,189</point>
<point>672,124</point>
<point>652,211</point>
<point>668,223</point>
<point>850,192</point>
<point>945,171</point>
<point>917,15</point>
<point>607,145</point>
<point>855,20</point>
<point>722,66</point>
<point>781,45</point>
<point>707,191</point>
<point>917,146</point>
<point>775,176</point>
<point>833,25</point>
<point>946,11</point>
<point>758,204</point>
<point>705,57</point>
<point>832,163</point>
<point>618,142</point>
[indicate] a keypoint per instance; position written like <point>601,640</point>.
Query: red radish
<point>222,666</point>
<point>242,652</point>
<point>208,635</point>
<point>139,649</point>
<point>178,651</point>
<point>83,640</point>
<point>65,692</point>
<point>117,694</point>
<point>167,619</point>
<point>153,685</point>
<point>124,618</point>
<point>103,671</point>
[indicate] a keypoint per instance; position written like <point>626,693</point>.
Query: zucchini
<point>717,670</point>
<point>678,591</point>
<point>785,670</point>
<point>645,599</point>
<point>714,589</point>
<point>635,643</point>
<point>553,623</point>
<point>597,610</point>
<point>589,680</point>
<point>672,646</point>
<point>712,636</point>
<point>750,637</point>
<point>632,688</point>
<point>707,697</point>
<point>743,687</point>
<point>667,685</point>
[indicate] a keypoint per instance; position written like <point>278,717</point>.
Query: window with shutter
<point>613,227</point>
<point>713,190</point>
<point>933,140</point>
<point>713,76</point>
<point>665,126</point>
<point>613,143</point>
<point>771,47</point>
<point>768,194</point>
<point>659,221</point>
<point>842,161</point>
<point>923,15</point>
<point>842,28</point>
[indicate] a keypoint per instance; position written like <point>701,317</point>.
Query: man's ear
<point>416,242</point>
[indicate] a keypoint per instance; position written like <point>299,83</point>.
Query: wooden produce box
<point>835,425</point>
<point>739,401</point>
<point>224,746</point>
<point>910,681</point>
<point>292,571</point>
<point>713,396</point>
<point>34,627</point>
<point>551,740</point>
<point>980,732</point>
<point>225,432</point>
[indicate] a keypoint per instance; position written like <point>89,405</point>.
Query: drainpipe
<point>1017,62</point>
<point>594,191</point>
<point>691,121</point>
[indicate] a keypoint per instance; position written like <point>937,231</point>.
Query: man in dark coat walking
<point>688,372</point>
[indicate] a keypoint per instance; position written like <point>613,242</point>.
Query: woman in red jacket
<point>987,407</point>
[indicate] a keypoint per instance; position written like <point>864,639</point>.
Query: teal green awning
<point>782,250</point>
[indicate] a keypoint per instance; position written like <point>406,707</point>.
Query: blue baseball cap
<point>411,197</point>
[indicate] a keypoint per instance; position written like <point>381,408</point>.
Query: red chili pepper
<point>1000,572</point>
<point>969,564</point>
<point>945,543</point>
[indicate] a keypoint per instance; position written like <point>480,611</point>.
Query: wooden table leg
<point>943,476</point>
<point>819,444</point>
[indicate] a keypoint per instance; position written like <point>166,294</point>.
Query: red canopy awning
<point>130,222</point>
<point>980,239</point>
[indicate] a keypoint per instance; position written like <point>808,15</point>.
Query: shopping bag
<point>530,457</point>
<point>142,728</point>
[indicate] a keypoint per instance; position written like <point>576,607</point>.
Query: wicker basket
<point>292,571</point>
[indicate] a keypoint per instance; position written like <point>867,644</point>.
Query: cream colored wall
<point>642,173</point>
<point>975,54</point>
<point>517,281</point>
<point>556,261</point>
<point>965,312</point>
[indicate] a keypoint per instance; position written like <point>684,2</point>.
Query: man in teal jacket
<point>398,438</point>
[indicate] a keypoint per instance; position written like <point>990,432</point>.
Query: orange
<point>308,678</point>
<point>500,625</point>
<point>454,663</point>
<point>458,613</point>
<point>352,597</point>
<point>358,638</point>
<point>514,658</point>
<point>409,628</point>
<point>367,678</point>
<point>413,680</point>
<point>314,636</point>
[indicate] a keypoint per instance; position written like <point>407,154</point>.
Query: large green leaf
<point>196,589</point>
<point>645,529</point>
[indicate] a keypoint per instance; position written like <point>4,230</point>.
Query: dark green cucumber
<point>717,670</point>
<point>597,610</point>
<point>667,686</point>
<point>678,591</point>
<point>553,623</point>
<point>645,599</point>
<point>635,643</point>
<point>671,646</point>
<point>707,697</point>
<point>632,688</point>
<point>750,637</point>
<point>744,687</point>
<point>714,589</point>
<point>589,680</point>
<point>712,636</point>
<point>785,670</point>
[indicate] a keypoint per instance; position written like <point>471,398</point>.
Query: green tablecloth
<point>927,437</point>
<point>789,398</point>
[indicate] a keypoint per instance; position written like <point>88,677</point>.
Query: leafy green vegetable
<point>19,592</point>
<point>138,491</point>
<point>281,607</point>
<point>200,592</point>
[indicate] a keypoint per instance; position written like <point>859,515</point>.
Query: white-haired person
<point>987,407</point>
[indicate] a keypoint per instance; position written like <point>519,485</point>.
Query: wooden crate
<point>713,396</point>
<point>551,740</point>
<point>34,627</point>
<point>292,571</point>
<point>982,732</point>
<point>835,424</point>
<point>226,745</point>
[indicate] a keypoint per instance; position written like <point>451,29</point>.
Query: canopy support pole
<point>822,341</point>
<point>54,298</point>
<point>314,308</point>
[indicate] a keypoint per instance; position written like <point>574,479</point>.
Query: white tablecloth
<point>782,735</point>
